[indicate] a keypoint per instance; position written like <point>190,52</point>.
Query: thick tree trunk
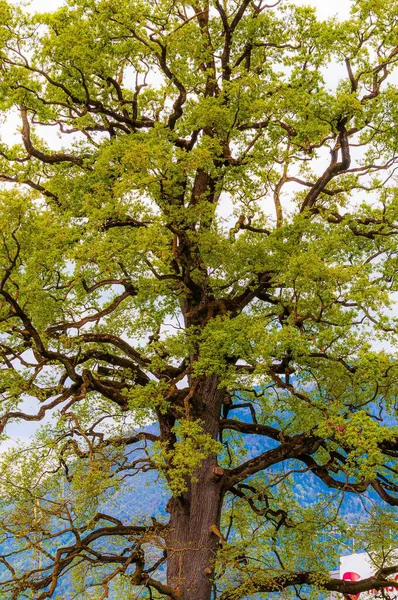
<point>192,545</point>
<point>195,515</point>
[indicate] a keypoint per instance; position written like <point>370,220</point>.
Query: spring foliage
<point>199,230</point>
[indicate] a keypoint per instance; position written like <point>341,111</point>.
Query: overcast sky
<point>325,8</point>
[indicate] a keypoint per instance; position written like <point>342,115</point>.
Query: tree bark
<point>192,541</point>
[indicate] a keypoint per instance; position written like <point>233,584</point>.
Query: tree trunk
<point>195,515</point>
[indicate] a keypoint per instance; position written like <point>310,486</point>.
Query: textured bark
<point>195,515</point>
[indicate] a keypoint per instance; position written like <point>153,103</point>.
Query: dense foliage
<point>209,245</point>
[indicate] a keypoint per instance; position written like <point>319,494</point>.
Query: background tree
<point>209,245</point>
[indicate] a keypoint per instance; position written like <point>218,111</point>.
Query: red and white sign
<point>360,566</point>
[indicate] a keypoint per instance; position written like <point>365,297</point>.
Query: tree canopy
<point>198,263</point>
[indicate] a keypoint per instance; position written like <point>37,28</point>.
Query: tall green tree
<point>208,244</point>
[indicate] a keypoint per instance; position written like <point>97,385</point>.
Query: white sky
<point>325,8</point>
